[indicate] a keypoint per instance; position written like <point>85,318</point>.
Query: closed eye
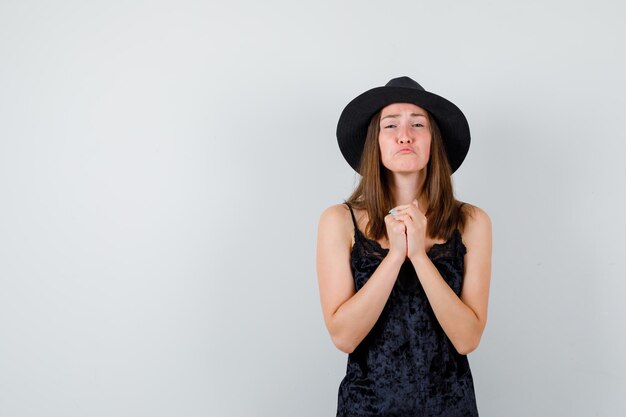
<point>418,125</point>
<point>389,126</point>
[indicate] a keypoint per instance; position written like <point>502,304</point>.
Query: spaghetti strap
<point>352,213</point>
<point>357,232</point>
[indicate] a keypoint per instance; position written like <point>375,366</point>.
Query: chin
<point>407,170</point>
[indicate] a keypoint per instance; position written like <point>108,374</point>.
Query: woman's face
<point>404,137</point>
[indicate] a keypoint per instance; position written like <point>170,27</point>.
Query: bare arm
<point>349,316</point>
<point>462,319</point>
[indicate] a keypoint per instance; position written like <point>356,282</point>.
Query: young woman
<point>404,291</point>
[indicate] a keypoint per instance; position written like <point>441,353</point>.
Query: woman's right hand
<point>396,231</point>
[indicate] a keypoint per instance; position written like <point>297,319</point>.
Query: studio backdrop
<point>163,167</point>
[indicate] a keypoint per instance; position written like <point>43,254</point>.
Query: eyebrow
<point>397,115</point>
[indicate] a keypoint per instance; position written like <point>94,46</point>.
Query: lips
<point>405,150</point>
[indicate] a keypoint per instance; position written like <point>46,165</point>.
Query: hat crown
<point>404,82</point>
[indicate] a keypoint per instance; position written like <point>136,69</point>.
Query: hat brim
<point>355,118</point>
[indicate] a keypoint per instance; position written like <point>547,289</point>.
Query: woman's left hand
<point>416,224</point>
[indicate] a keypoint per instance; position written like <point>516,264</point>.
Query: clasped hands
<point>406,227</point>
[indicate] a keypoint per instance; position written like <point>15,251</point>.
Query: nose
<point>404,135</point>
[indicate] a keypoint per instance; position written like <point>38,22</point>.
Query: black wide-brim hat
<point>355,118</point>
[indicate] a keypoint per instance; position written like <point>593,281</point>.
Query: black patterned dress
<point>406,366</point>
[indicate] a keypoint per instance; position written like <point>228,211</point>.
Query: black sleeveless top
<point>406,366</point>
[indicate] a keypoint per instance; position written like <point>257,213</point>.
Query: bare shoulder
<point>476,213</point>
<point>336,215</point>
<point>335,221</point>
<point>335,211</point>
<point>477,225</point>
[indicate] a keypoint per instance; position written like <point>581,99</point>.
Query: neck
<point>407,187</point>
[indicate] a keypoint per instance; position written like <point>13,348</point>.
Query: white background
<point>163,166</point>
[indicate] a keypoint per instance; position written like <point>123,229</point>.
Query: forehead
<point>397,108</point>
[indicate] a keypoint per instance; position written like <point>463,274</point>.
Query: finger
<point>412,209</point>
<point>404,218</point>
<point>395,212</point>
<point>398,211</point>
